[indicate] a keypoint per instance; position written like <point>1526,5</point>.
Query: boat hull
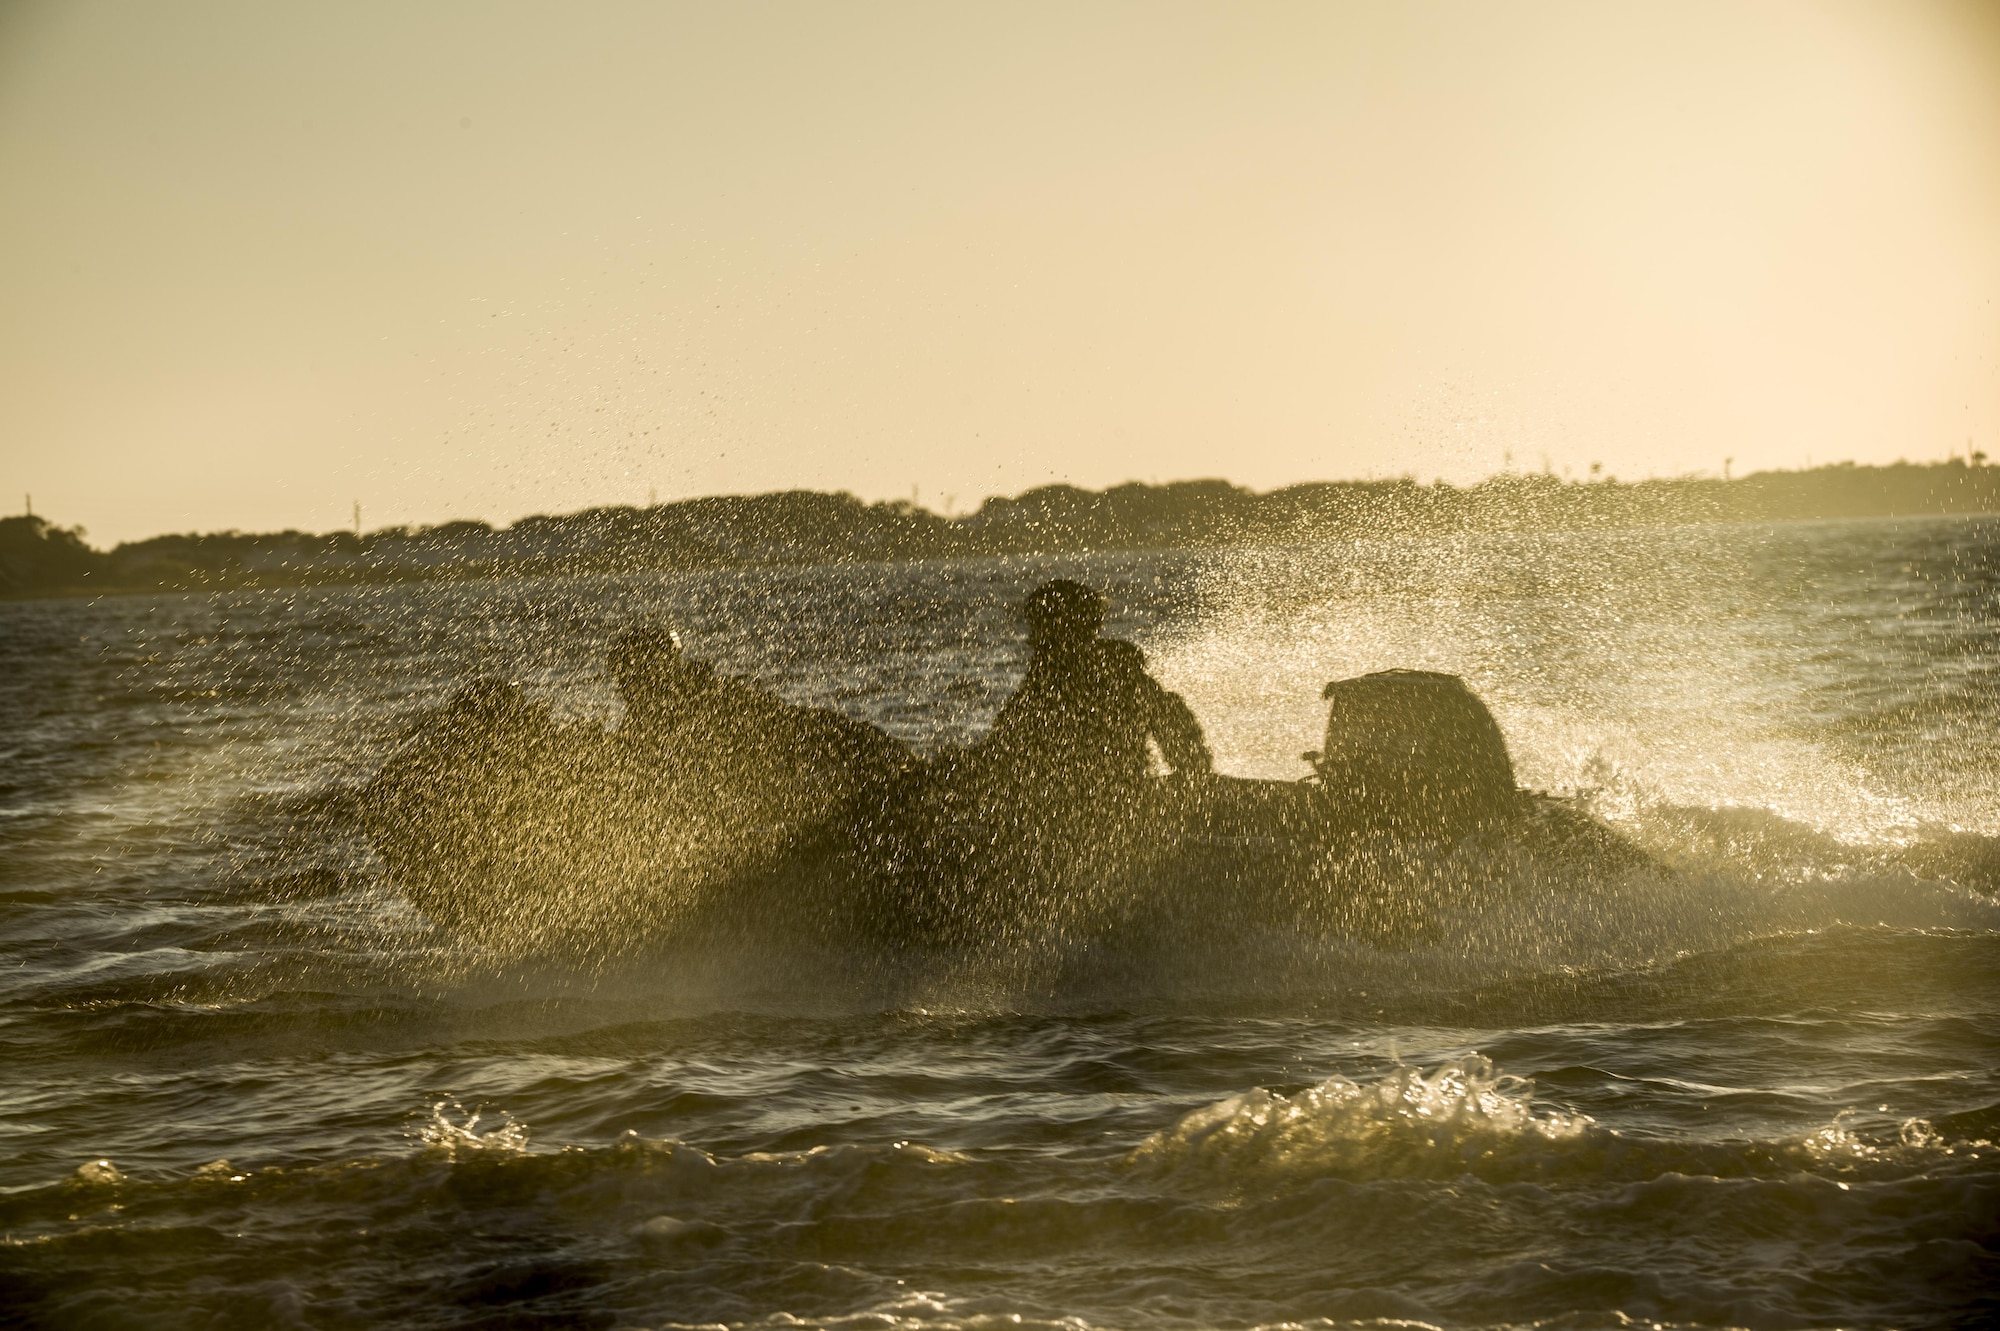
<point>547,839</point>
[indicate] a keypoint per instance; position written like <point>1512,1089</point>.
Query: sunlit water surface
<point>246,1085</point>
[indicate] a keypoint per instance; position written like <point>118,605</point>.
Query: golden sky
<point>260,260</point>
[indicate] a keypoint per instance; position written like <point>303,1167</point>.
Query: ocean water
<point>244,1083</point>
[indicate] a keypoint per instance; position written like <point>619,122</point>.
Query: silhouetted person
<point>739,742</point>
<point>666,695</point>
<point>480,734</point>
<point>1035,829</point>
<point>1080,722</point>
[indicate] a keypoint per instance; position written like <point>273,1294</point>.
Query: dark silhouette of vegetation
<point>803,526</point>
<point>36,556</point>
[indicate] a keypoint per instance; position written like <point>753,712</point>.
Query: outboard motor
<point>1416,752</point>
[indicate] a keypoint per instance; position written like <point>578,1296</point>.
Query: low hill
<point>802,526</point>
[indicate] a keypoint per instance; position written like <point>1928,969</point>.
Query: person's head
<point>647,667</point>
<point>1061,614</point>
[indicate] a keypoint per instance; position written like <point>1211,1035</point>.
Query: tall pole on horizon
<point>357,519</point>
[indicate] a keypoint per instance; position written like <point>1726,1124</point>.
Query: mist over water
<point>248,1084</point>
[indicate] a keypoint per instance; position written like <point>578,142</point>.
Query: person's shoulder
<point>738,701</point>
<point>1118,654</point>
<point>739,688</point>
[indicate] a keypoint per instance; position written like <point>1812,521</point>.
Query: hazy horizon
<point>966,507</point>
<point>480,262</point>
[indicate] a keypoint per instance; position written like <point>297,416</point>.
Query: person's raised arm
<point>1179,734</point>
<point>1169,721</point>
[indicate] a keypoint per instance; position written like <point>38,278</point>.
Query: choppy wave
<point>1174,1229</point>
<point>1465,1118</point>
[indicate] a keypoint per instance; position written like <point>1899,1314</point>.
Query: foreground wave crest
<point>1409,1124</point>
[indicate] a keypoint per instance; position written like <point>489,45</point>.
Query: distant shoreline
<point>40,559</point>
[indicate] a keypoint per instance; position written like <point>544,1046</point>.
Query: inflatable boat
<point>530,836</point>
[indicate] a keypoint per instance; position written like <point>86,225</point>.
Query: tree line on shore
<point>802,526</point>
